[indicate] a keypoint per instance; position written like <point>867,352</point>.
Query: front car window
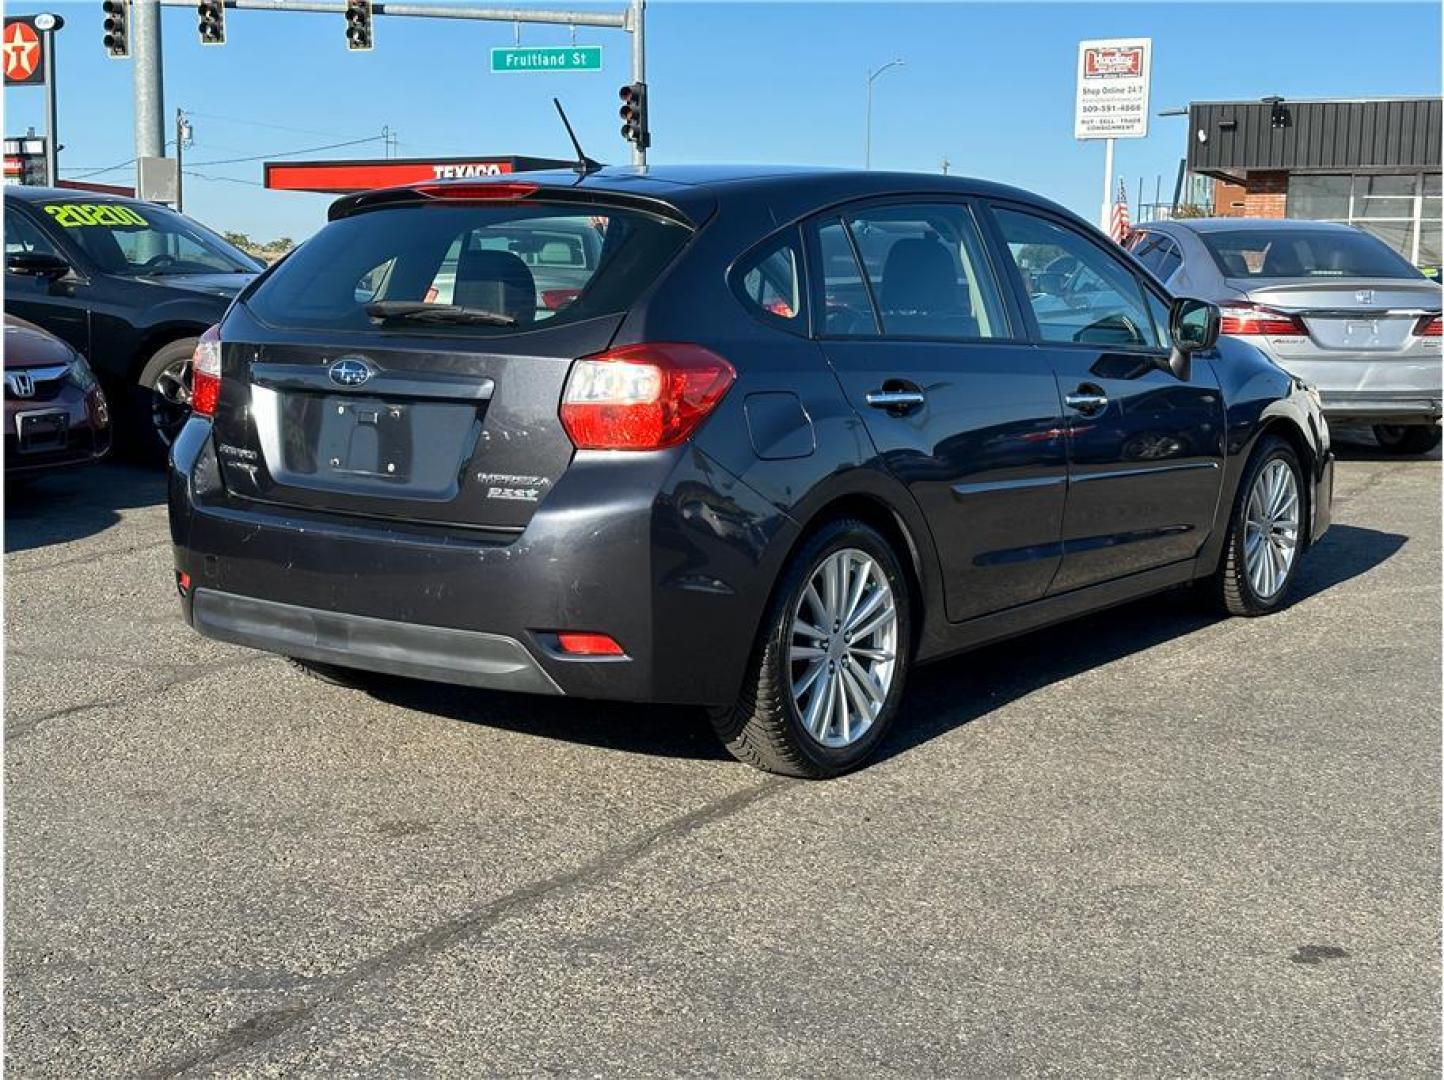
<point>144,240</point>
<point>21,235</point>
<point>1304,253</point>
<point>531,263</point>
<point>1079,293</point>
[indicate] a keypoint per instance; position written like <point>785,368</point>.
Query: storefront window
<point>1389,206</point>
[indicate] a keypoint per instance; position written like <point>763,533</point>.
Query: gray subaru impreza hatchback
<point>756,440</point>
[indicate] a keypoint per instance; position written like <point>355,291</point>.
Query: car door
<point>49,304</point>
<point>1145,449</point>
<point>960,408</point>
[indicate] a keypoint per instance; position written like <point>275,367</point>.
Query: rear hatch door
<point>408,362</point>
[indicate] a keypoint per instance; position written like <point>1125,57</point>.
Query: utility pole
<point>872,78</point>
<point>149,93</point>
<point>946,165</point>
<point>182,140</point>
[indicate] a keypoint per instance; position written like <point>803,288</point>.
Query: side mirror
<point>1193,325</point>
<point>41,264</point>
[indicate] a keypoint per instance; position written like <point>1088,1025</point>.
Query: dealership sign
<point>1112,100</point>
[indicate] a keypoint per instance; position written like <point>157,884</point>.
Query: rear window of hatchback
<point>534,264</point>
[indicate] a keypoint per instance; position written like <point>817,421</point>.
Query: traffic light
<point>634,115</point>
<point>117,28</point>
<point>211,22</point>
<point>358,24</point>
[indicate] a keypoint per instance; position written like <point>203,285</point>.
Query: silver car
<point>1330,303</point>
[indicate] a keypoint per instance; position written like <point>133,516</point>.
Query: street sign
<point>1112,99</point>
<point>546,58</point>
<point>24,54</point>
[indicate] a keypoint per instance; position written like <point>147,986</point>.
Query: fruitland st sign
<point>1112,98</point>
<point>546,58</point>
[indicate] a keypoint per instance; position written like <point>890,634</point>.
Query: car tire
<point>1410,439</point>
<point>168,364</point>
<point>1259,529</point>
<point>767,727</point>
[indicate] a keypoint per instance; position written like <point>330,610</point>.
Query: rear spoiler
<point>511,188</point>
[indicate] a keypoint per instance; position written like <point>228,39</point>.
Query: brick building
<point>1373,163</point>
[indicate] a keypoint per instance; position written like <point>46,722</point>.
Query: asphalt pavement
<point>1151,842</point>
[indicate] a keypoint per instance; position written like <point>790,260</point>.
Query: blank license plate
<point>42,431</point>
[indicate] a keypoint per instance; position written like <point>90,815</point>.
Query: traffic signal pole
<point>145,52</point>
<point>149,106</point>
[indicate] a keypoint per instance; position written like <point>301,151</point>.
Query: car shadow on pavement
<point>72,505</point>
<point>951,693</point>
<point>941,697</point>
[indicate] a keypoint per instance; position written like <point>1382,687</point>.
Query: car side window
<point>22,235</point>
<point>1169,259</point>
<point>769,281</point>
<point>1080,294</point>
<point>846,303</point>
<point>928,273</point>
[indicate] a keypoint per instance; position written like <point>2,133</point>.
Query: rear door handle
<point>1087,400</point>
<point>895,399</point>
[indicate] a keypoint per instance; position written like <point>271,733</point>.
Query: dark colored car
<point>796,431</point>
<point>55,412</point>
<point>130,285</point>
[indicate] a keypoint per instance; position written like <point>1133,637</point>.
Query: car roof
<point>1242,224</point>
<point>30,194</point>
<point>791,191</point>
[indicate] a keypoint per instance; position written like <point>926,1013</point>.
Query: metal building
<point>1374,163</point>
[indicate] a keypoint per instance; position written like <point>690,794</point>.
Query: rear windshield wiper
<point>384,310</point>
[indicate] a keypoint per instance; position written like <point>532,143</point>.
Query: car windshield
<point>1304,253</point>
<point>482,268</point>
<point>142,240</point>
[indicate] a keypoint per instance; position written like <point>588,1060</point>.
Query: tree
<point>238,239</point>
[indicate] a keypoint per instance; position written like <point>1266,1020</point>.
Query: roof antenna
<point>584,165</point>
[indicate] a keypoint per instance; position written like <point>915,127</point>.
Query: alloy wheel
<point>842,649</point>
<point>1271,528</point>
<point>171,400</point>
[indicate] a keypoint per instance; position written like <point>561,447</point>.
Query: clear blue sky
<point>988,85</point>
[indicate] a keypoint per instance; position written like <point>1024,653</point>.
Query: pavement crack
<point>184,673</point>
<point>257,1030</point>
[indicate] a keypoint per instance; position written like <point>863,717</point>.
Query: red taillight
<point>1428,327</point>
<point>642,397</point>
<point>555,299</point>
<point>503,190</point>
<point>588,644</point>
<point>206,373</point>
<point>1253,320</point>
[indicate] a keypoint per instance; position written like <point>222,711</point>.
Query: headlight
<point>81,375</point>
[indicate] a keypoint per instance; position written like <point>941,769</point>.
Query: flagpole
<point>1105,216</point>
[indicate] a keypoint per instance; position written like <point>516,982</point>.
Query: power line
<point>108,168</point>
<point>293,153</point>
<point>226,179</point>
<point>259,124</point>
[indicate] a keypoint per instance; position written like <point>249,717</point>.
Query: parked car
<point>130,285</point>
<point>797,431</point>
<point>1334,305</point>
<point>55,412</point>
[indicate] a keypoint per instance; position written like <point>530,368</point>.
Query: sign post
<point>1112,99</point>
<point>29,49</point>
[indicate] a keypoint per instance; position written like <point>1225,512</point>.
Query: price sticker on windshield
<point>78,215</point>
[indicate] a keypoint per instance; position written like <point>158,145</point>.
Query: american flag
<point>1119,225</point>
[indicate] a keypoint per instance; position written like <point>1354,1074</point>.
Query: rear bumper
<point>1382,406</point>
<point>467,657</point>
<point>663,552</point>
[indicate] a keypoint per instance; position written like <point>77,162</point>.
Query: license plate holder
<point>46,429</point>
<point>365,437</point>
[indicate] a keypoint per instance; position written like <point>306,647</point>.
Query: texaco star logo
<point>22,51</point>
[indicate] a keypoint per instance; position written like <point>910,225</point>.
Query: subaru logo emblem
<point>22,384</point>
<point>349,371</point>
<point>1364,296</point>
